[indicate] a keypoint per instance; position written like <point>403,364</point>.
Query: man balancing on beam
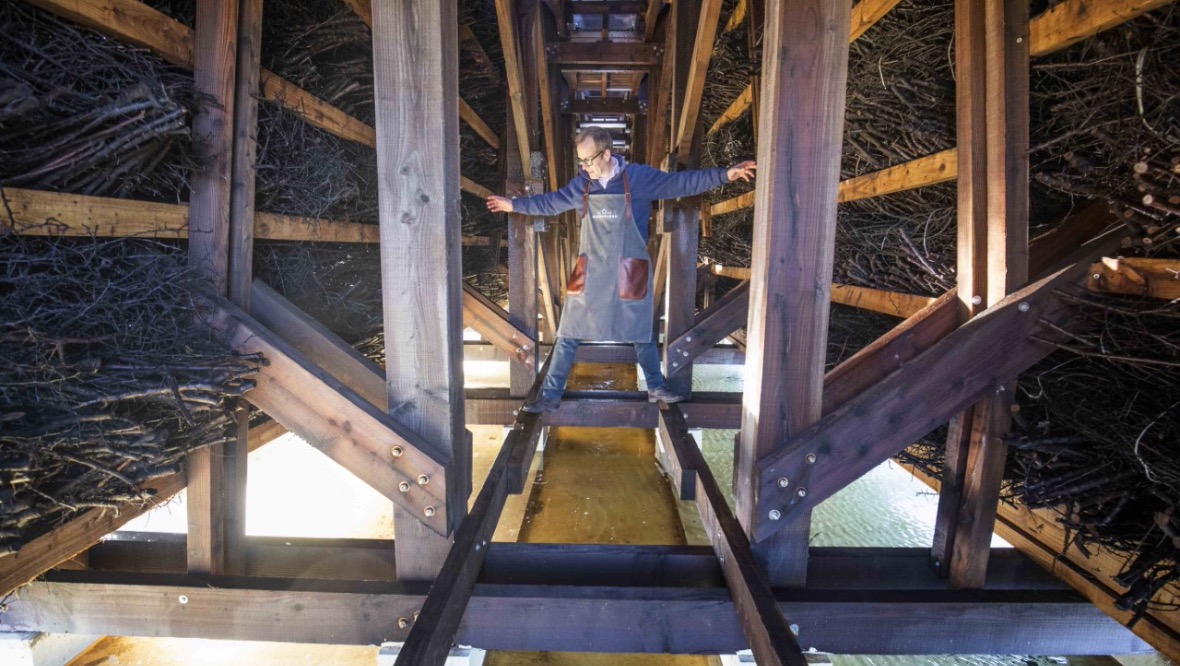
<point>609,294</point>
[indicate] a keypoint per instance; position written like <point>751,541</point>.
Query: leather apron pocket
<point>633,279</point>
<point>577,282</point>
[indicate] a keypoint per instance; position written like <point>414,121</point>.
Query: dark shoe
<point>543,405</point>
<point>662,394</point>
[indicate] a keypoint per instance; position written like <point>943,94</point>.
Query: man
<point>609,294</point>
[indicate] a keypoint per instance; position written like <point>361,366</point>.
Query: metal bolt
<point>688,339</point>
<point>396,451</point>
<point>183,599</point>
<point>429,511</point>
<point>810,458</point>
<point>1019,40</point>
<point>976,300</point>
<point>675,364</point>
<point>684,353</point>
<point>1023,307</point>
<point>416,615</point>
<point>402,623</point>
<point>783,482</point>
<point>802,492</point>
<point>795,629</point>
<point>404,486</point>
<point>1097,276</point>
<point>423,479</point>
<point>775,514</point>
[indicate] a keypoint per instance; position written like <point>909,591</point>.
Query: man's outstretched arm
<point>541,205</point>
<point>661,185</point>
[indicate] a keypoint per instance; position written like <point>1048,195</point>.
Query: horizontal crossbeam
<point>616,55</point>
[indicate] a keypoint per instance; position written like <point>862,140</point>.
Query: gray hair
<point>601,137</point>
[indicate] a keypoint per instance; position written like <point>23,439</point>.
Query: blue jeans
<point>565,349</point>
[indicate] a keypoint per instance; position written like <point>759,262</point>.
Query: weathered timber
<point>989,350</point>
<point>75,536</point>
<point>762,621</point>
<point>805,69</point>
<point>510,43</point>
<point>214,74</point>
<point>1037,534</point>
<point>607,619</point>
<point>335,419</point>
<point>866,13</point>
<point>472,187</point>
<point>650,16</point>
<point>1157,278</point>
<point>469,116</point>
<point>39,213</point>
<point>416,90</point>
<point>1005,180</point>
<point>922,172</point>
<point>680,292</point>
<point>712,325</point>
<point>1070,22</point>
<point>315,111</point>
<point>545,93</point>
<point>613,55</point>
<point>609,7</point>
<point>706,34</point>
<point>735,109</point>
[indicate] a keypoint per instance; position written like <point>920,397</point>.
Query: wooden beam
<point>598,55</point>
<point>335,419</point>
<point>603,8</point>
<point>712,325</point>
<point>610,105</point>
<point>513,68</point>
<point>214,74</point>
<point>415,48</point>
<point>469,116</point>
<point>801,128</point>
<point>545,91</point>
<point>73,537</point>
<point>988,350</point>
<point>866,13</point>
<point>650,18</point>
<point>680,292</point>
<point>1156,278</point>
<point>620,409</point>
<point>930,170</point>
<point>315,111</point>
<point>472,187</point>
<point>892,303</point>
<point>363,9</point>
<point>762,621</point>
<point>54,214</point>
<point>1070,22</point>
<point>745,200</point>
<point>706,34</point>
<point>686,620</point>
<point>735,109</point>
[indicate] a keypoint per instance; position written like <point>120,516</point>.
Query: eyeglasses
<point>589,160</point>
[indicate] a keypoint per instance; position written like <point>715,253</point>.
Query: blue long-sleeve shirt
<point>647,185</point>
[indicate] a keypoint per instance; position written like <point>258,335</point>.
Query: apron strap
<point>627,194</point>
<point>585,199</point>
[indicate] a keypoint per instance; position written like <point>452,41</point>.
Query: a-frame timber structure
<point>804,434</point>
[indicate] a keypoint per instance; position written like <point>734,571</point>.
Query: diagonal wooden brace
<point>987,352</point>
<point>329,415</point>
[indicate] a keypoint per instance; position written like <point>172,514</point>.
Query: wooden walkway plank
<point>762,621</point>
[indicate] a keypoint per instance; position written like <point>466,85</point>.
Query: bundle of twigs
<point>324,48</point>
<point>1096,438</point>
<point>85,114</point>
<point>106,377</point>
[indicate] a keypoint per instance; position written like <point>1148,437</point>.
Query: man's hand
<point>742,170</point>
<point>502,204</point>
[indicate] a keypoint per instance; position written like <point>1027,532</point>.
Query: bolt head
<point>775,514</point>
<point>810,458</point>
<point>396,451</point>
<point>183,599</point>
<point>1023,307</point>
<point>428,511</point>
<point>976,300</point>
<point>794,629</point>
<point>783,482</point>
<point>404,486</point>
<point>675,364</point>
<point>402,623</point>
<point>688,339</point>
<point>423,479</point>
<point>802,492</point>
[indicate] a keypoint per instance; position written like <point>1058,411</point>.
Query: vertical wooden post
<point>1005,107</point>
<point>415,77</point>
<point>681,291</point>
<point>241,259</point>
<point>215,53</point>
<point>522,279</point>
<point>805,72</point>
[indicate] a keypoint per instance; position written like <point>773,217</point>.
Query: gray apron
<point>609,293</point>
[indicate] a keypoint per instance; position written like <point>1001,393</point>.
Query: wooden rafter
<point>469,116</point>
<point>706,33</point>
<point>1157,278</point>
<point>513,68</point>
<point>650,16</point>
